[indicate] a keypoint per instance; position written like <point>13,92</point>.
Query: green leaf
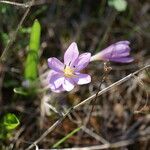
<point>31,66</point>
<point>66,137</point>
<point>119,5</point>
<point>35,37</point>
<point>32,57</point>
<point>10,121</point>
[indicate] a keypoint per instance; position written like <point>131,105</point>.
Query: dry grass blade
<point>112,85</point>
<point>94,135</point>
<point>50,129</point>
<point>141,84</point>
<point>24,5</point>
<point>108,146</point>
<point>6,51</point>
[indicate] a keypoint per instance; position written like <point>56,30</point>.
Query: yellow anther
<point>68,72</point>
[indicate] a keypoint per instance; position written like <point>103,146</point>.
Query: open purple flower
<point>64,76</point>
<point>118,52</point>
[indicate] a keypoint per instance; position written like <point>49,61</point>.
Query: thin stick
<point>109,146</point>
<point>26,4</point>
<point>6,51</point>
<point>50,129</point>
<point>16,3</point>
<point>109,87</point>
<point>94,135</point>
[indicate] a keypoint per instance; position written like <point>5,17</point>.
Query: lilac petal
<point>123,59</point>
<point>82,79</point>
<point>71,54</point>
<point>113,54</point>
<point>115,48</point>
<point>123,42</point>
<point>58,90</point>
<point>117,55</point>
<point>117,52</point>
<point>82,61</point>
<point>55,64</point>
<point>56,80</point>
<point>68,84</point>
<point>121,48</point>
<point>50,76</point>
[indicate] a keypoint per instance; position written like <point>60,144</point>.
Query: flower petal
<point>68,84</point>
<point>123,42</point>
<point>123,59</point>
<point>55,64</point>
<point>82,79</point>
<point>71,54</point>
<point>82,61</point>
<point>56,80</point>
<point>49,79</point>
<point>114,50</point>
<point>115,54</point>
<point>58,90</point>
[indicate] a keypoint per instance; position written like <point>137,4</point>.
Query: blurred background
<point>121,114</point>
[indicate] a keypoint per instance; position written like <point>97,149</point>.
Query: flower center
<point>68,72</point>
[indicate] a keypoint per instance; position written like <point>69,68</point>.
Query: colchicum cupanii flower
<point>64,76</point>
<point>117,52</point>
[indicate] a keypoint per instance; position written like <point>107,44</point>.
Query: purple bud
<point>117,52</point>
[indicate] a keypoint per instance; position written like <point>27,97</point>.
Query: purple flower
<point>118,52</point>
<point>64,76</point>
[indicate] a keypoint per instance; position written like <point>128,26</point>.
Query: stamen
<point>69,72</point>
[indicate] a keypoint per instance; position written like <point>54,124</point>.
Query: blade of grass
<point>32,57</point>
<point>66,137</point>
